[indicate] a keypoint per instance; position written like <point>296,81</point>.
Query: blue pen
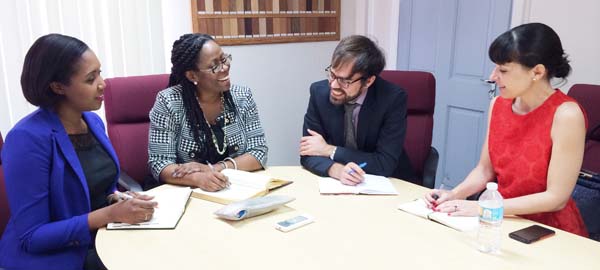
<point>362,165</point>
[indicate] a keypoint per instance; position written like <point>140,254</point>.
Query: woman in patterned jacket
<point>202,124</point>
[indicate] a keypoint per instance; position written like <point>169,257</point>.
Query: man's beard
<point>346,98</point>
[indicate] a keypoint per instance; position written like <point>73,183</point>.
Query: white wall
<point>125,34</point>
<point>577,23</point>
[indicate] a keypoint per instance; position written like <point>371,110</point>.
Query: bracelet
<point>223,164</point>
<point>332,153</point>
<point>232,161</point>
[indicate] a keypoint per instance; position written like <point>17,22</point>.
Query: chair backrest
<point>588,96</point>
<point>4,211</point>
<point>127,102</point>
<point>420,87</point>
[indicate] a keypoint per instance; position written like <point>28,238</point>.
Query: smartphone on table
<point>531,234</point>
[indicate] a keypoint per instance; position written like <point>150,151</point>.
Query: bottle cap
<point>492,186</point>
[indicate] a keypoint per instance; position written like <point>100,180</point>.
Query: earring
<point>534,79</point>
<point>195,82</point>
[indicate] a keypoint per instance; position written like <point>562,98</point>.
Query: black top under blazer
<point>380,132</point>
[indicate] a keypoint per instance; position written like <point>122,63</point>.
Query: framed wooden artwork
<point>238,22</point>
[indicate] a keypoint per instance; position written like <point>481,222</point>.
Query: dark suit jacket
<point>380,132</point>
<point>48,194</point>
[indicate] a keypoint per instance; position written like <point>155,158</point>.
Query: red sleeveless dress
<point>520,147</point>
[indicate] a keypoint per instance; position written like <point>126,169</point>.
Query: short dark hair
<point>368,58</point>
<point>51,58</point>
<point>531,44</point>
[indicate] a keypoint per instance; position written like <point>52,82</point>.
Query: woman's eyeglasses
<point>225,61</point>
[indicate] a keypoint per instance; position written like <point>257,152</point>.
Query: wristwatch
<point>333,153</point>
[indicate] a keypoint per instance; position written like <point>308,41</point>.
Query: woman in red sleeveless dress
<point>536,135</point>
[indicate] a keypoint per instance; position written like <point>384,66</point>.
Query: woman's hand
<point>438,196</point>
<point>188,168</point>
<point>459,208</point>
<point>138,209</point>
<point>210,180</point>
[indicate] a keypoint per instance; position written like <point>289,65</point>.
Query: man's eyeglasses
<point>343,82</point>
<point>225,61</point>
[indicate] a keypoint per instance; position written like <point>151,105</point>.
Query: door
<point>450,39</point>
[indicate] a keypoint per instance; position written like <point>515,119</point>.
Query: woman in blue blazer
<point>60,167</point>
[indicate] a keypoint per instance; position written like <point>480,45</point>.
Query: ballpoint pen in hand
<point>123,196</point>
<point>210,166</point>
<point>362,165</point>
<point>436,196</point>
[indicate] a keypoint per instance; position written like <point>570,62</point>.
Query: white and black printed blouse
<point>171,139</point>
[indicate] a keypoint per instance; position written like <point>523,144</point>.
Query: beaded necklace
<point>214,138</point>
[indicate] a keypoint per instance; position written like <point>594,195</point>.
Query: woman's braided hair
<point>184,57</point>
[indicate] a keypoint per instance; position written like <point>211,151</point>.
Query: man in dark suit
<point>355,117</point>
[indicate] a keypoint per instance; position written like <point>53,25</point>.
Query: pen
<point>123,196</point>
<point>362,165</point>
<point>210,166</point>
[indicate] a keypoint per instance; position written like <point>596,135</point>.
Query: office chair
<point>420,87</point>
<point>4,211</point>
<point>587,190</point>
<point>588,96</point>
<point>127,102</point>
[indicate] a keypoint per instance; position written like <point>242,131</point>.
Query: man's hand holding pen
<point>352,174</point>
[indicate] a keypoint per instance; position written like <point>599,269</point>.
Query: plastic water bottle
<point>490,219</point>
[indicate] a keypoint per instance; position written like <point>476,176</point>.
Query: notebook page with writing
<point>372,184</point>
<point>171,205</point>
<point>244,185</point>
<point>463,224</point>
<point>328,185</point>
<point>243,178</point>
<point>416,207</point>
<point>419,208</point>
<point>377,185</point>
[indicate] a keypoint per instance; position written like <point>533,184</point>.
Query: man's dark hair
<point>368,58</point>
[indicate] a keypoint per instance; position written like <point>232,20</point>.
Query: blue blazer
<point>379,136</point>
<point>47,193</point>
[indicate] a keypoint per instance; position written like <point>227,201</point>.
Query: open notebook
<point>419,208</point>
<point>171,205</point>
<point>244,185</point>
<point>372,185</point>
